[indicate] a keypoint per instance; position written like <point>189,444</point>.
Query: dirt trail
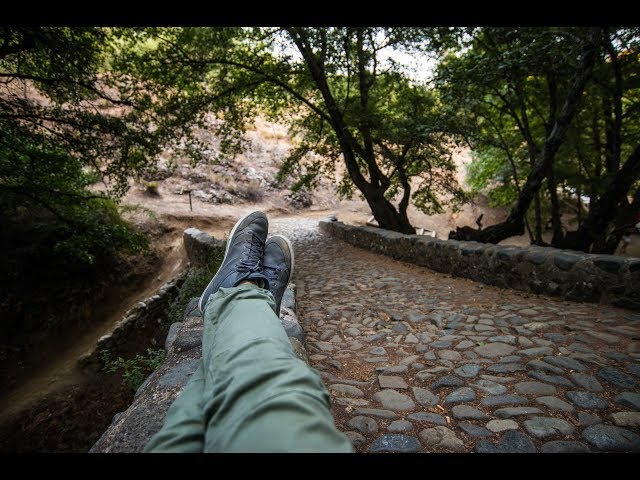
<point>63,370</point>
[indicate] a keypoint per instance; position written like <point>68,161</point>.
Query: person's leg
<point>258,395</point>
<point>184,424</point>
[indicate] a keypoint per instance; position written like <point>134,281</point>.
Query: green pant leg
<point>258,395</point>
<point>184,424</point>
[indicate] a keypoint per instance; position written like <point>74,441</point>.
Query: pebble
<point>586,419</point>
<point>425,397</point>
<point>545,377</point>
<point>427,417</point>
<point>348,390</point>
<point>388,381</point>
<point>498,400</point>
<point>535,388</point>
<point>466,412</point>
<point>536,351</point>
<point>441,437</point>
<point>447,381</point>
<point>464,394</point>
<point>544,366</point>
<point>468,370</point>
<point>616,377</point>
<point>363,424</point>
<point>400,426</point>
<point>495,349</point>
<point>516,411</point>
<point>554,403</point>
<point>611,438</point>
<point>489,387</point>
<point>392,369</point>
<point>474,431</point>
<point>626,419</point>
<point>378,351</point>
<point>392,400</point>
<point>512,441</point>
<point>629,399</point>
<point>376,412</point>
<point>564,446</point>
<point>356,439</point>
<point>543,427</point>
<point>587,382</point>
<point>498,426</point>
<point>506,367</point>
<point>566,362</point>
<point>587,400</point>
<point>395,443</point>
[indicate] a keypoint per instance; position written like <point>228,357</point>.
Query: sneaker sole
<point>226,251</point>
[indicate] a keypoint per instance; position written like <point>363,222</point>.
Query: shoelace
<point>272,274</point>
<point>253,256</point>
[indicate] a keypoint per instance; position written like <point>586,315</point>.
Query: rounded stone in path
<point>347,390</point>
<point>544,366</point>
<point>554,403</point>
<point>629,399</point>
<point>427,417</point>
<point>464,394</point>
<point>388,381</point>
<point>511,442</point>
<point>494,349</point>
<point>545,377</point>
<point>489,387</point>
<point>586,419</point>
<point>355,438</point>
<point>376,412</point>
<point>587,400</point>
<point>509,412</point>
<point>535,388</point>
<point>363,424</point>
<point>611,438</point>
<point>464,344</point>
<point>441,437</point>
<point>466,412</point>
<point>450,355</point>
<point>536,351</point>
<point>392,400</point>
<point>395,443</point>
<point>475,431</point>
<point>588,382</point>
<point>400,426</point>
<point>508,339</point>
<point>564,446</point>
<point>468,370</point>
<point>378,351</point>
<point>506,367</point>
<point>425,397</point>
<point>509,399</point>
<point>626,419</point>
<point>542,427</point>
<point>566,362</point>
<point>634,368</point>
<point>498,426</point>
<point>447,381</point>
<point>616,377</point>
<point>392,369</point>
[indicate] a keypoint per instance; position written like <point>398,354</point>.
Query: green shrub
<point>152,188</point>
<point>133,370</point>
<point>195,283</point>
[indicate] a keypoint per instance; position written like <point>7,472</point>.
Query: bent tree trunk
<point>514,224</point>
<point>592,235</point>
<point>386,214</point>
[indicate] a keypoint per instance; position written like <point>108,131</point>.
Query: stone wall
<point>131,430</point>
<point>572,275</point>
<point>142,319</point>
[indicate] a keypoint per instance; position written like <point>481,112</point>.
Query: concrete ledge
<point>575,276</point>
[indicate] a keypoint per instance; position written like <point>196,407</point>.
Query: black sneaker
<point>278,266</point>
<point>243,258</point>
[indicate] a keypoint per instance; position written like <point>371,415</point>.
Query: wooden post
<point>190,204</point>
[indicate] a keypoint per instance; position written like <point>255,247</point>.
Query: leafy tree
<point>538,104</point>
<point>341,99</point>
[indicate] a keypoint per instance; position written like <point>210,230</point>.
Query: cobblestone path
<point>421,361</point>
